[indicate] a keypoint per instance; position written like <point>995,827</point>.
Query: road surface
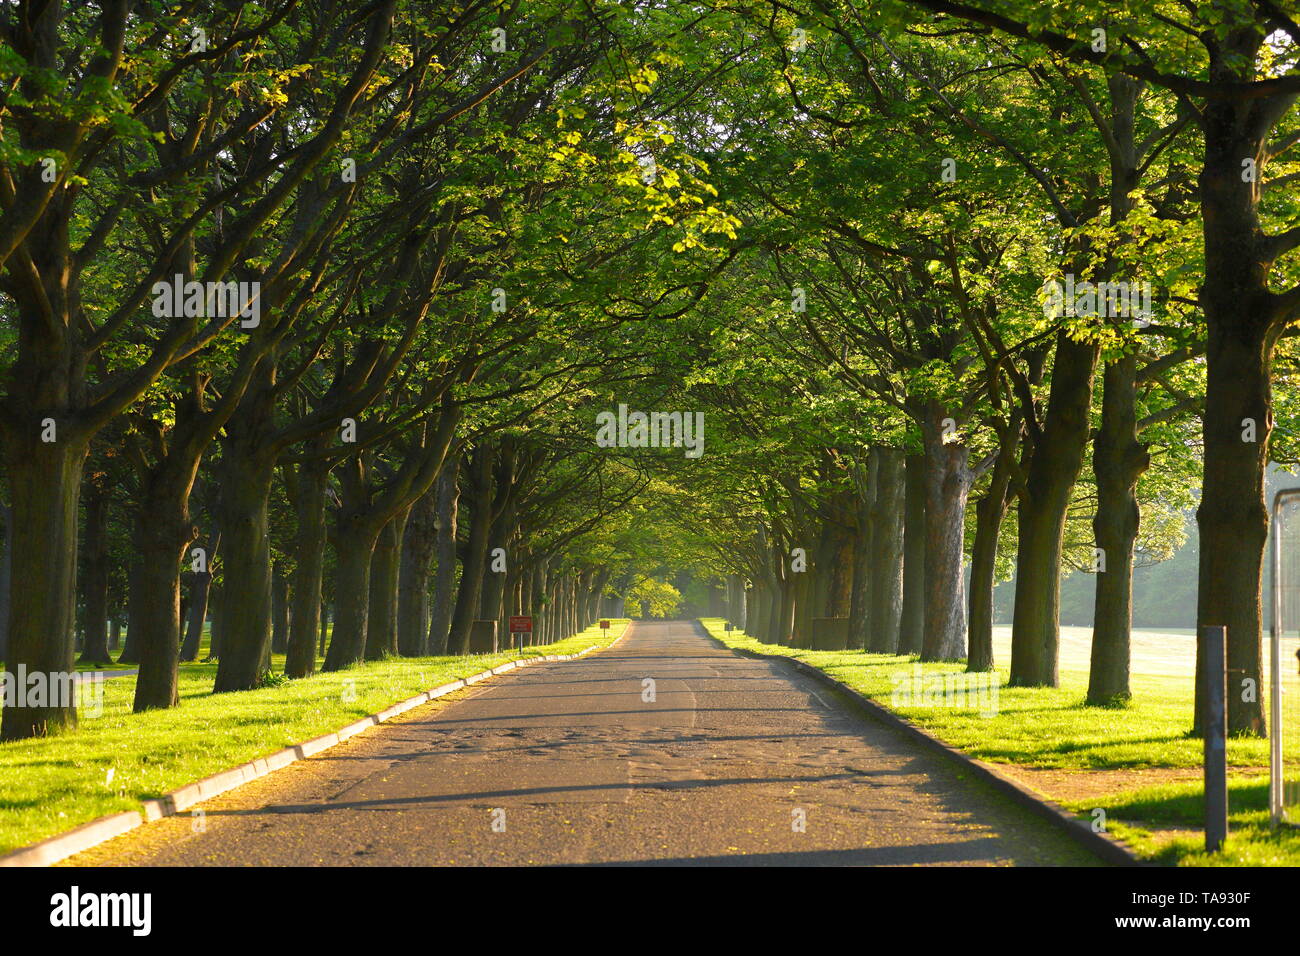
<point>720,760</point>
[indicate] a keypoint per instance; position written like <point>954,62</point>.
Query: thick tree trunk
<point>469,595</point>
<point>355,549</point>
<point>1054,462</point>
<point>759,613</point>
<point>45,488</point>
<point>947,485</point>
<point>418,543</point>
<point>381,624</point>
<point>246,596</point>
<point>1242,323</point>
<point>911,635</point>
<point>154,613</point>
<point>94,586</point>
<point>444,578</point>
<point>1118,460</point>
<point>163,532</point>
<point>887,556</point>
<point>307,624</point>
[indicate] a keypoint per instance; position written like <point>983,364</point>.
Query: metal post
<point>1214,644</point>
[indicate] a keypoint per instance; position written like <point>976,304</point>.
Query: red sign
<point>604,625</point>
<point>521,624</point>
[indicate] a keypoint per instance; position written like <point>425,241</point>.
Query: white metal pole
<point>1275,777</point>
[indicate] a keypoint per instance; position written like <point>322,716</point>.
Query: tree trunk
<point>911,632</point>
<point>1054,462</point>
<point>989,514</point>
<point>216,599</point>
<point>469,595</point>
<point>200,588</point>
<point>307,622</point>
<point>94,587</point>
<point>45,486</point>
<point>1242,324</point>
<point>246,596</point>
<point>279,610</point>
<point>163,532</point>
<point>355,549</point>
<point>1118,460</point>
<point>444,578</point>
<point>6,576</point>
<point>418,543</point>
<point>381,623</point>
<point>887,556</point>
<point>947,484</point>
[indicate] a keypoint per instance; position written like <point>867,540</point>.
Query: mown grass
<point>112,762</point>
<point>1053,728</point>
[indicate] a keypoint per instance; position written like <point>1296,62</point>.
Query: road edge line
<point>59,847</point>
<point>1103,845</point>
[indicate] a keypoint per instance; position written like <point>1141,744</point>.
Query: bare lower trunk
<point>309,572</point>
<point>469,595</point>
<point>246,595</point>
<point>200,588</point>
<point>381,623</point>
<point>887,553</point>
<point>911,634</point>
<point>351,599</point>
<point>94,587</point>
<point>947,485</point>
<point>1242,323</point>
<point>989,514</point>
<point>418,543</point>
<point>444,578</point>
<point>154,617</point>
<point>1118,459</point>
<point>279,610</point>
<point>1053,469</point>
<point>45,488</point>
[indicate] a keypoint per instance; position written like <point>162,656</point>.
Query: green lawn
<point>53,784</point>
<point>1052,728</point>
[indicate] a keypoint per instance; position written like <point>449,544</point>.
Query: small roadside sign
<point>604,625</point>
<point>521,623</point>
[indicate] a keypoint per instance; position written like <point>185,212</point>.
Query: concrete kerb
<point>88,835</point>
<point>1102,844</point>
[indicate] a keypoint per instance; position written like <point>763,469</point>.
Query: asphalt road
<point>729,761</point>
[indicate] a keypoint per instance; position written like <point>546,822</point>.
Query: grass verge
<point>1083,757</point>
<point>112,762</point>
